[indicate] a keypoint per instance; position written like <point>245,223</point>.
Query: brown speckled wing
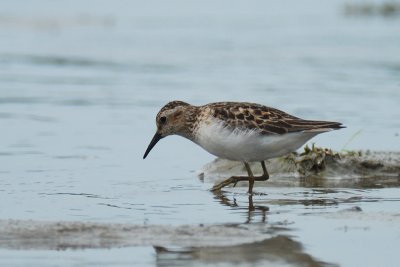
<point>267,120</point>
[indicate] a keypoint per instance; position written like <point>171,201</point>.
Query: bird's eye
<point>163,119</point>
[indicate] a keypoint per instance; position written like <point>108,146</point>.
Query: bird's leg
<point>265,172</point>
<point>251,177</point>
<point>232,180</point>
<point>235,179</point>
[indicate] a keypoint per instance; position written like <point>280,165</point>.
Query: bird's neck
<point>190,122</point>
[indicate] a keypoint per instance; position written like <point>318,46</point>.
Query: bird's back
<point>251,132</point>
<point>266,120</point>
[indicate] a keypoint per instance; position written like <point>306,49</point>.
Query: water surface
<point>81,83</point>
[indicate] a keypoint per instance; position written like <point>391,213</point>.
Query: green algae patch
<point>318,166</point>
<point>328,163</point>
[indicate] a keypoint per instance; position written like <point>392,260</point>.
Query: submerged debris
<point>316,164</point>
<point>388,9</point>
<point>29,234</point>
<point>185,245</point>
<point>279,250</point>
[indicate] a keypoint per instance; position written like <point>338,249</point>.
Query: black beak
<point>153,142</point>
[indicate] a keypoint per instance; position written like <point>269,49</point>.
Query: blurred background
<point>82,81</point>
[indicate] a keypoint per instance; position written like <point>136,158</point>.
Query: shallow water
<point>81,83</point>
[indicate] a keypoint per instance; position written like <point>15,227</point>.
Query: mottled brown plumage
<point>265,119</point>
<point>239,131</point>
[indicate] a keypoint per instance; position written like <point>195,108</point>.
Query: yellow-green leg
<point>235,179</point>
<point>251,177</point>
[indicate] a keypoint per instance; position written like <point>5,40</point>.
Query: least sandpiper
<point>238,131</point>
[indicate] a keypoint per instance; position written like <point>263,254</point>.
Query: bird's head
<point>170,120</point>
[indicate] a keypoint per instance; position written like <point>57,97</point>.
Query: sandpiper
<point>238,131</point>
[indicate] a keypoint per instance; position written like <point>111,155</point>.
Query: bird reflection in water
<point>252,211</point>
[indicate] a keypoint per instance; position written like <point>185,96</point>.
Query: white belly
<point>247,145</point>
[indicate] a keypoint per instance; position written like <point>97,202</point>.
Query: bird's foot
<point>232,180</point>
<point>235,179</point>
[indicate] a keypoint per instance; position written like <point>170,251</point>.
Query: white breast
<point>247,145</point>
